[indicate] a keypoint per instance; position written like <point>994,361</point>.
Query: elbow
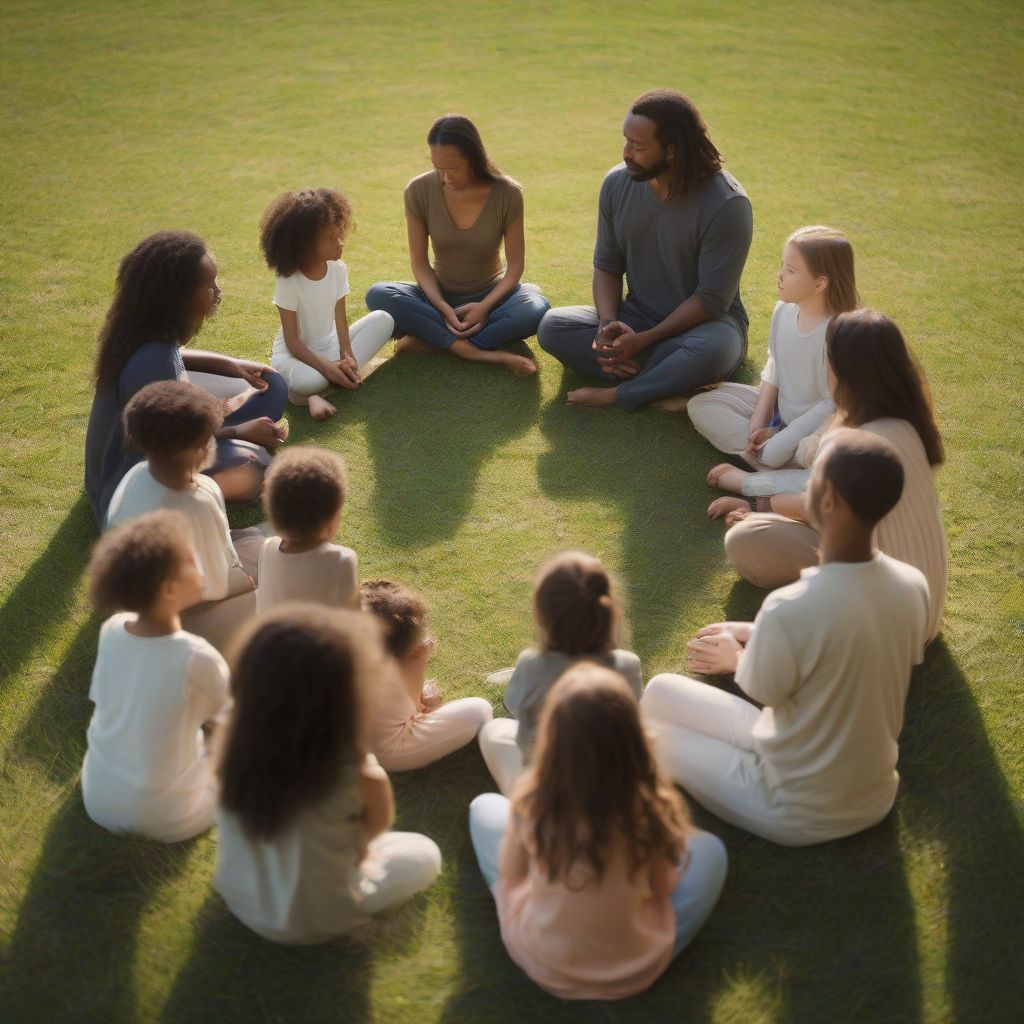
<point>714,306</point>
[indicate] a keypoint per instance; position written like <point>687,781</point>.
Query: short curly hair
<point>131,562</point>
<point>290,225</point>
<point>171,416</point>
<point>401,610</point>
<point>304,490</point>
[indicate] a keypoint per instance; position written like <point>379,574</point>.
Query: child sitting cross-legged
<point>304,496</point>
<point>412,728</point>
<point>155,686</point>
<point>173,423</point>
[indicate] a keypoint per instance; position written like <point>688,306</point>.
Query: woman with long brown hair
<point>166,288</point>
<point>877,386</point>
<point>598,875</point>
<point>304,851</point>
<point>464,303</point>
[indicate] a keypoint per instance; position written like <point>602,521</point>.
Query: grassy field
<point>900,123</point>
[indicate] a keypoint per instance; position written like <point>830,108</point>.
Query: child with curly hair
<point>302,234</point>
<point>155,686</point>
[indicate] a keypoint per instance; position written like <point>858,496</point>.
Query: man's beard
<point>639,173</point>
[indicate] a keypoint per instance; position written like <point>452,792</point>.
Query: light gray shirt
<point>537,671</point>
<point>692,245</point>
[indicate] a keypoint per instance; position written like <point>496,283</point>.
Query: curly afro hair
<point>401,611</point>
<point>304,490</point>
<point>171,416</point>
<point>290,225</point>
<point>131,562</point>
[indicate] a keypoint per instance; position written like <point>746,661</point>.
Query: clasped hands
<point>466,320</point>
<point>616,344</point>
<point>716,649</point>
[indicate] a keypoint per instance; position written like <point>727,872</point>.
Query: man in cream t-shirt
<point>829,657</point>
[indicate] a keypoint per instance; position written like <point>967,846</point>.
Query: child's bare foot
<point>296,399</point>
<point>410,345</point>
<point>591,396</point>
<point>727,477</point>
<point>723,506</point>
<point>320,408</point>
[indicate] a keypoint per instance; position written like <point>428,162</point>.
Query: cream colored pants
<point>769,550</point>
<point>501,754</point>
<point>431,735</point>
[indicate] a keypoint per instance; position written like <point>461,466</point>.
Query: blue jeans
<point>514,318</point>
<point>676,366</point>
<point>692,899</point>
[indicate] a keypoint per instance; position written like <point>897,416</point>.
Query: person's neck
<point>315,271</point>
<point>846,542</point>
<point>175,475</point>
<point>157,621</point>
<point>299,545</point>
<point>812,312</point>
<point>661,186</point>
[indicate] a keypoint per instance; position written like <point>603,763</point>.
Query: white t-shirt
<point>313,302</point>
<point>146,768</point>
<point>328,574</point>
<point>830,656</point>
<point>797,366</point>
<point>138,493</point>
<point>304,884</point>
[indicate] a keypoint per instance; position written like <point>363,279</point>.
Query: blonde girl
<point>775,425</point>
<point>578,616</point>
<point>599,878</point>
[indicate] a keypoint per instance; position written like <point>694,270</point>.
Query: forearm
<point>607,290</point>
<point>685,316</point>
<point>298,349</point>
<point>344,340</point>
<point>209,362</point>
<point>501,291</point>
<point>430,286</point>
<point>767,399</point>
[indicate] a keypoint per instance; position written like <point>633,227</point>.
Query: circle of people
<point>598,875</point>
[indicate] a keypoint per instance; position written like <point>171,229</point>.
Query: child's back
<point>327,574</point>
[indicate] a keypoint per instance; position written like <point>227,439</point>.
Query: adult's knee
<point>379,296</point>
<point>276,395</point>
<point>553,331</point>
<point>749,550</point>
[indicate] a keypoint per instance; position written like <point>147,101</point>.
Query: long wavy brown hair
<point>876,376</point>
<point>154,299</point>
<point>594,784</point>
<point>679,124</point>
<point>301,679</point>
<point>575,606</point>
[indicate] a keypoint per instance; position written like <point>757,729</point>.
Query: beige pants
<point>769,550</point>
<point>431,735</point>
<point>501,754</point>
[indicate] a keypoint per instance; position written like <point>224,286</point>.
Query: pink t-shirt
<point>588,939</point>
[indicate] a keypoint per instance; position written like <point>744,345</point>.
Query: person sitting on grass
<point>173,423</point>
<point>411,726</point>
<point>304,496</point>
<point>166,289</point>
<point>302,234</point>
<point>599,878</point>
<point>155,687</point>
<point>303,848</point>
<point>578,617</point>
<point>829,657</point>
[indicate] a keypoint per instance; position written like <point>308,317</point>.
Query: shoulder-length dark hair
<point>300,680</point>
<point>574,605</point>
<point>458,131</point>
<point>594,785</point>
<point>679,124</point>
<point>876,376</point>
<point>154,298</point>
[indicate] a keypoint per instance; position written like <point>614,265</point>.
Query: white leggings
<point>399,865</point>
<point>431,735</point>
<point>501,753</point>
<point>368,335</point>
<point>704,741</point>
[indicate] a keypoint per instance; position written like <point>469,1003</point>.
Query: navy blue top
<point>107,455</point>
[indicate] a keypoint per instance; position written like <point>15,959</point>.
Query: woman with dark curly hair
<point>302,234</point>
<point>166,287</point>
<point>465,303</point>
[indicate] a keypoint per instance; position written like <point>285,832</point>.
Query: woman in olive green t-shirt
<point>464,304</point>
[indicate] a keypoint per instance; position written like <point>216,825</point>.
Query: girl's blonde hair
<point>594,784</point>
<point>575,606</point>
<point>828,253</point>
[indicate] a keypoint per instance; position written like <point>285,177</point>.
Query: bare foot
<point>320,408</point>
<point>723,506</point>
<point>296,399</point>
<point>520,365</point>
<point>410,345</point>
<point>591,396</point>
<point>727,477</point>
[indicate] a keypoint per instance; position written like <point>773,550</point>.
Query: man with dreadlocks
<point>679,228</point>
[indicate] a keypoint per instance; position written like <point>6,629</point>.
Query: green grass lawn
<point>897,122</point>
